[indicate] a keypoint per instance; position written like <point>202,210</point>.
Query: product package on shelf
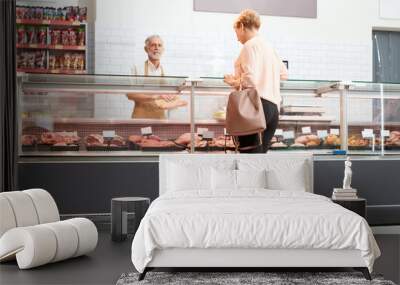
<point>67,61</point>
<point>70,13</point>
<point>32,59</point>
<point>67,36</point>
<point>30,35</point>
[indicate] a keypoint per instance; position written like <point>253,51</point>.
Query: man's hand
<point>168,97</point>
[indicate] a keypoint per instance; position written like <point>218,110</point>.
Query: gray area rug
<point>232,278</point>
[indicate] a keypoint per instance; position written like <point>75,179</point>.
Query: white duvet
<point>253,218</point>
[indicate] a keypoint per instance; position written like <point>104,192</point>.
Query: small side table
<point>358,205</point>
<point>123,208</point>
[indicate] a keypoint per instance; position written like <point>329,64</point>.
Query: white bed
<point>247,211</point>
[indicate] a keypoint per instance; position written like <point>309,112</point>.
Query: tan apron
<point>148,109</point>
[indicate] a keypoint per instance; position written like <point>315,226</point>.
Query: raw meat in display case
<point>59,141</point>
<point>28,140</point>
<point>152,143</point>
<point>96,142</point>
<point>308,140</point>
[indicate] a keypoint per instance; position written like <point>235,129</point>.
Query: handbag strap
<point>237,144</point>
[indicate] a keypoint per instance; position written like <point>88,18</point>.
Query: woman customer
<point>258,66</point>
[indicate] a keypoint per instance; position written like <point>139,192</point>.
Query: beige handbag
<point>245,116</point>
<point>244,113</point>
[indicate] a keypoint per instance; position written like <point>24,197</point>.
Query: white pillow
<point>223,179</point>
<point>186,175</point>
<point>294,180</point>
<point>251,178</point>
<point>282,174</point>
<point>183,178</point>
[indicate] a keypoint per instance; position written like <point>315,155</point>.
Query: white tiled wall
<point>117,49</point>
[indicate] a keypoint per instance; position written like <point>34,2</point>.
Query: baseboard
<point>101,220</point>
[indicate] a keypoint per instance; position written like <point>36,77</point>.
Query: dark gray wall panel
<point>84,187</point>
<point>377,181</point>
<point>287,8</point>
<point>89,187</point>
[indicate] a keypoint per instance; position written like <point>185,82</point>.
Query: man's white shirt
<point>140,69</point>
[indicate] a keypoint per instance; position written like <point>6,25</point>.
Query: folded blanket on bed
<point>251,218</point>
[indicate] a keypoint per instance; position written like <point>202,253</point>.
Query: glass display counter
<point>106,115</point>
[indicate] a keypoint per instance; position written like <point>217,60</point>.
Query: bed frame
<point>242,259</point>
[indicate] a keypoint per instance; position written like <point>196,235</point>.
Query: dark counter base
<point>88,186</point>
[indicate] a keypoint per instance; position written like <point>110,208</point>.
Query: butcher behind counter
<point>153,106</point>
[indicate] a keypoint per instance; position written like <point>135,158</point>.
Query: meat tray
<point>155,148</point>
<point>117,148</point>
<point>330,146</point>
<point>213,148</point>
<point>392,147</point>
<point>106,148</point>
<point>133,146</point>
<point>28,147</point>
<point>279,148</point>
<point>73,147</point>
<point>360,147</point>
<point>96,148</point>
<point>43,147</point>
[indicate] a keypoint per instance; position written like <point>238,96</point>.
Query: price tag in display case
<point>367,133</point>
<point>45,122</point>
<point>109,134</point>
<point>334,132</point>
<point>322,134</point>
<point>200,131</point>
<point>208,135</point>
<point>147,131</point>
<point>279,132</point>
<point>306,130</point>
<point>288,135</point>
<point>385,133</point>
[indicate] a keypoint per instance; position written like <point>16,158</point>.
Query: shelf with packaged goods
<point>32,70</point>
<point>32,46</point>
<point>53,71</point>
<point>39,45</point>
<point>53,47</point>
<point>50,22</point>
